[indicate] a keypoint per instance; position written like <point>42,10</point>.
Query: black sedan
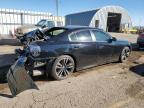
<point>63,50</point>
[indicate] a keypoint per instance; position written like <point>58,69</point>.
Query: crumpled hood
<point>25,29</point>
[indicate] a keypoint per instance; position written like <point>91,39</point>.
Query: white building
<point>108,18</point>
<point>10,19</point>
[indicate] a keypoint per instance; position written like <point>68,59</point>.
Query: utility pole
<point>57,7</point>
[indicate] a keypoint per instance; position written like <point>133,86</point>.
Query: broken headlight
<point>35,50</point>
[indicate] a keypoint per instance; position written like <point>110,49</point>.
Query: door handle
<point>76,47</point>
<point>101,46</point>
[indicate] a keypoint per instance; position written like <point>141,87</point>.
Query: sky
<point>135,8</point>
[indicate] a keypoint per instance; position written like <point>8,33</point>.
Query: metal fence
<point>10,19</point>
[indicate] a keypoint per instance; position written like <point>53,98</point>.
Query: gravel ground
<point>112,85</point>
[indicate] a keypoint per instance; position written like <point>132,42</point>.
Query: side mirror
<point>44,26</point>
<point>112,39</point>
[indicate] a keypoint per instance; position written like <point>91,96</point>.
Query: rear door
<point>83,48</point>
<point>104,47</point>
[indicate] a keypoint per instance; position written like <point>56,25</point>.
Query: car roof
<point>75,27</point>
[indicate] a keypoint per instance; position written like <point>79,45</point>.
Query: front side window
<point>84,36</point>
<point>101,36</point>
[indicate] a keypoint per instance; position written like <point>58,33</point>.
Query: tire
<point>62,67</point>
<point>124,54</point>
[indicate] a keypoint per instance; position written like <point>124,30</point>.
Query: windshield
<point>55,32</point>
<point>41,23</point>
<point>46,23</point>
<point>51,24</point>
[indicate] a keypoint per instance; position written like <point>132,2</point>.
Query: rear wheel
<point>124,54</point>
<point>62,67</point>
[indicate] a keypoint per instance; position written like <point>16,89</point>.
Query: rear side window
<point>84,36</point>
<point>101,36</point>
<point>73,37</point>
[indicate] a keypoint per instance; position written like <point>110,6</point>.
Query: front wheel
<point>124,54</point>
<point>62,67</point>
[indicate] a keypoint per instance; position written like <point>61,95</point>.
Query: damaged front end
<point>18,77</point>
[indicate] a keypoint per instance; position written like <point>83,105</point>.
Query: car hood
<point>123,42</point>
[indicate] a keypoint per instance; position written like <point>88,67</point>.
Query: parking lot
<point>115,85</point>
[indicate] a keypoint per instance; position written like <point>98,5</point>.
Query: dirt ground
<point>109,86</point>
<point>114,85</point>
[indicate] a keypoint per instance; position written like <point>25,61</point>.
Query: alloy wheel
<point>125,54</point>
<point>64,67</point>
